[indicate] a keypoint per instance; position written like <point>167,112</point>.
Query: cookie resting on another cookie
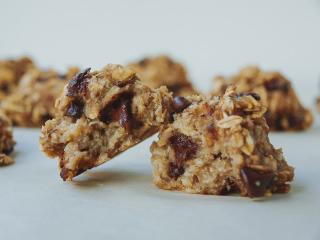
<point>161,70</point>
<point>32,103</point>
<point>101,114</point>
<point>285,112</point>
<point>218,146</point>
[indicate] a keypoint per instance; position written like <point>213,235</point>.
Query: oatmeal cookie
<point>161,70</point>
<point>285,112</point>
<point>101,114</point>
<point>6,140</point>
<point>32,104</point>
<point>10,73</point>
<point>218,146</point>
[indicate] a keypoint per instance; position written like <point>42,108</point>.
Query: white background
<point>118,199</point>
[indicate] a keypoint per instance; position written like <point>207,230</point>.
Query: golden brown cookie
<point>218,146</point>
<point>101,114</point>
<point>6,140</point>
<point>285,112</point>
<point>10,73</point>
<point>163,71</point>
<point>32,103</point>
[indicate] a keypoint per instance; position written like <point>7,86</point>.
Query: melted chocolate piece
<point>175,171</point>
<point>184,147</point>
<point>120,110</point>
<point>179,104</point>
<point>75,109</point>
<point>257,182</point>
<point>78,84</point>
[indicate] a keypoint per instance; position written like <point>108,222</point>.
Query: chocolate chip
<point>184,147</point>
<point>252,94</point>
<point>296,120</point>
<point>120,110</point>
<point>179,104</point>
<point>9,150</point>
<point>257,182</point>
<point>4,87</point>
<point>75,109</point>
<point>277,85</point>
<point>46,117</point>
<point>78,84</point>
<point>175,171</point>
<point>143,62</point>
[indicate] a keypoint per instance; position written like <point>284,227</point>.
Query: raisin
<point>257,182</point>
<point>78,84</point>
<point>277,85</point>
<point>252,94</point>
<point>179,104</point>
<point>75,109</point>
<point>175,171</point>
<point>184,147</point>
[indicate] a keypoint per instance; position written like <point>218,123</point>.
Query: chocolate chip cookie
<point>10,73</point>
<point>101,114</point>
<point>218,146</point>
<point>285,112</point>
<point>32,102</point>
<point>163,71</point>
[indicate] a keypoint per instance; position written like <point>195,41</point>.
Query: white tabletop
<point>118,200</point>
